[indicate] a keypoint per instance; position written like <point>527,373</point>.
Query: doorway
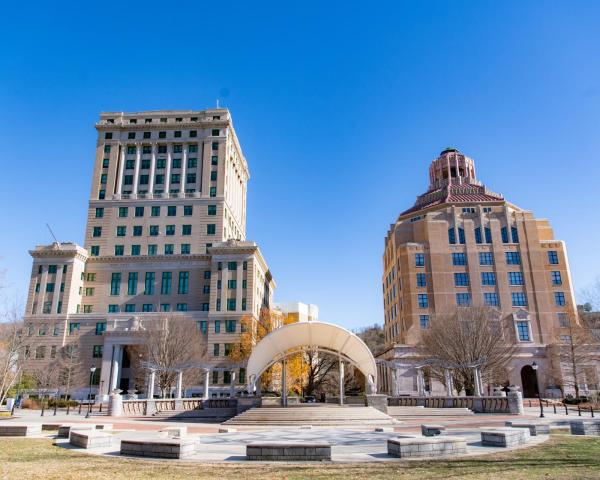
<point>529,383</point>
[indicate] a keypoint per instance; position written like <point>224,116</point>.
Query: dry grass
<point>562,457</point>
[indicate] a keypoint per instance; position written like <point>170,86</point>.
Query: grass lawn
<point>562,457</point>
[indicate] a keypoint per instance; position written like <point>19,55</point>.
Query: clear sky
<point>339,107</point>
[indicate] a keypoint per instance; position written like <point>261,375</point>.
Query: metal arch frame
<point>281,356</point>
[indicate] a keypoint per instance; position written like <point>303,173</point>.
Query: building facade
<point>460,245</point>
<point>166,232</point>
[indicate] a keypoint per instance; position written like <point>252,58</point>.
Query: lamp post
<point>537,383</point>
<point>89,412</point>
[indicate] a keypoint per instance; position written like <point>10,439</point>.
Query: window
<point>478,238</point>
<point>231,284</point>
<point>559,299</point>
<point>231,265</point>
<point>119,250</point>
<point>461,236</point>
<point>182,307</point>
<point>106,148</point>
<point>176,163</point>
<point>128,180</point>
<point>185,249</point>
<point>211,229</point>
<point>193,133</point>
<point>175,178</point>
<point>459,259</point>
<point>165,307</point>
<point>121,231</point>
<point>102,194</point>
<point>463,299</point>
<point>424,321</point>
<point>565,338</point>
<point>488,278</point>
<point>40,352</point>
<point>230,326</point>
<point>177,134</point>
<point>553,257</point>
<point>97,351</point>
<point>231,304</point>
<point>135,250</point>
<point>170,230</point>
<point>97,232</point>
<point>159,180</point>
<point>514,233</point>
<point>213,191</point>
<point>419,259</point>
<point>74,328</point>
<point>155,211</point>
<point>451,236</point>
<point>563,320</point>
<point>192,162</point>
<point>145,163</point>
<point>137,231</point>
<point>244,304</point>
<point>213,175</point>
<point>147,307</point>
<point>184,279</point>
<point>152,249</point>
<point>486,258</point>
<point>43,329</point>
<point>513,258</point>
<point>212,209</point>
<point>242,376</point>
<point>202,326</point>
<point>187,210</point>
<point>519,299</point>
<point>162,149</point>
<point>177,149</point>
<point>129,164</point>
<point>99,212</point>
<point>154,230</point>
<point>162,134</point>
<point>169,249</point>
<point>215,146</point>
<point>461,280</point>
<point>523,331</point>
<point>132,281</point>
<point>50,287</point>
<point>149,283</point>
<point>115,283</point>
<point>186,229</point>
<point>488,234</point>
<point>94,250</point>
<point>556,278</point>
<point>226,352</point>
<point>421,280</point>
<point>89,292</point>
<point>123,211</point>
<point>515,278</point>
<point>56,330</point>
<point>130,307</point>
<point>105,162</point>
<point>215,354</point>
<point>504,234</point>
<point>215,374</point>
<point>491,299</point>
<point>244,284</point>
<point>218,305</point>
<point>108,135</point>
<point>214,160</point>
<point>190,178</point>
<point>100,328</point>
<point>423,300</point>
<point>165,286</point>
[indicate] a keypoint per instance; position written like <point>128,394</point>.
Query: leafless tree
<point>320,368</point>
<point>172,343</point>
<point>591,295</point>
<point>70,367</point>
<point>463,338</point>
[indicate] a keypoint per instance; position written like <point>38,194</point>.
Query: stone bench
<point>585,427</point>
<point>288,451</point>
<point>50,426</point>
<point>20,429</point>
<point>431,430</point>
<point>65,429</point>
<point>535,428</point>
<point>159,447</point>
<point>504,437</point>
<point>173,432</point>
<point>90,439</point>
<point>426,447</point>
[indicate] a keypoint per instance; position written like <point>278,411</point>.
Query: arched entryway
<point>528,381</point>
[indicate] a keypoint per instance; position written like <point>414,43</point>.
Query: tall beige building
<point>166,232</point>
<point>461,244</point>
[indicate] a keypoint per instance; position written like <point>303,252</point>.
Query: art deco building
<point>462,244</point>
<point>166,232</point>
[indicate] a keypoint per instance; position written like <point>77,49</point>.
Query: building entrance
<point>528,381</point>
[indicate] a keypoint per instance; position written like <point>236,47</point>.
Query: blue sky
<point>339,107</point>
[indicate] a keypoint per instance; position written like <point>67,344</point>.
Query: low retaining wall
<point>90,439</point>
<point>19,429</point>
<point>159,448</point>
<point>585,427</point>
<point>476,404</point>
<point>504,437</point>
<point>426,447</point>
<point>535,428</point>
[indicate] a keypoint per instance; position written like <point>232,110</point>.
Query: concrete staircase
<point>417,412</point>
<point>314,415</point>
<point>209,414</point>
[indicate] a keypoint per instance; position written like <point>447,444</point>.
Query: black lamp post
<point>89,412</point>
<point>537,383</point>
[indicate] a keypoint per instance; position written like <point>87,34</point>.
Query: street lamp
<point>537,383</point>
<point>92,370</point>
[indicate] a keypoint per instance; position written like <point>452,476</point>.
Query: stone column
<point>56,293</point>
<point>116,360</point>
<point>168,171</point>
<point>515,401</point>
<point>42,293</point>
<point>284,383</point>
<point>179,384</point>
<point>151,382</point>
<point>120,170</point>
<point>420,389</point>
<point>152,170</point>
<point>448,378</point>
<point>476,382</point>
<point>183,169</point>
<point>136,171</point>
<point>232,386</point>
<point>341,382</point>
<point>205,395</point>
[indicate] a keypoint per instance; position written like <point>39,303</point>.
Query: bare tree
<point>70,367</point>
<point>468,336</point>
<point>320,368</point>
<point>172,343</point>
<point>591,295</point>
<point>576,348</point>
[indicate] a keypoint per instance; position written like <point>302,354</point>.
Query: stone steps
<point>338,415</point>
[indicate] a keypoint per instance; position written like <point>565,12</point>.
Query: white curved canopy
<point>325,336</point>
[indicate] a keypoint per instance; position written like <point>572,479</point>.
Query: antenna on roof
<point>218,103</point>
<point>53,236</point>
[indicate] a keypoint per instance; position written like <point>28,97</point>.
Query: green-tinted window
<point>155,211</point>
<point>115,283</point>
<point>184,279</point>
<point>187,210</point>
<point>171,210</point>
<point>136,250</point>
<point>99,212</point>
<point>212,209</point>
<point>132,281</point>
<point>165,286</point>
<point>123,211</point>
<point>211,229</point>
